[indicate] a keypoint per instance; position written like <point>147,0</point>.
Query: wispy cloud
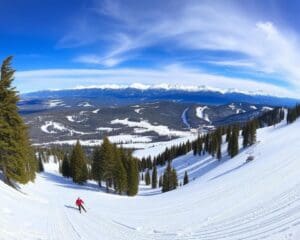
<point>198,25</point>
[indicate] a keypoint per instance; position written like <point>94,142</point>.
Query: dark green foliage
<point>78,166</point>
<point>133,177</point>
<point>40,167</point>
<point>116,167</point>
<point>170,181</point>
<point>270,118</point>
<point>249,133</point>
<point>154,177</point>
<point>65,167</point>
<point>120,175</point>
<point>17,159</point>
<point>293,114</point>
<point>186,178</point>
<point>98,165</point>
<point>160,182</point>
<point>233,143</point>
<point>147,178</point>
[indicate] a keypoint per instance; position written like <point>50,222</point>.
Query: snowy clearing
<point>145,126</point>
<point>200,113</point>
<point>58,127</point>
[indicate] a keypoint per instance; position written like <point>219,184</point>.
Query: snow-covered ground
<point>58,127</point>
<point>200,113</point>
<point>184,118</point>
<point>145,126</point>
<point>227,200</point>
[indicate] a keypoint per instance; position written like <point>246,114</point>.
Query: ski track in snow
<point>184,118</point>
<point>228,200</point>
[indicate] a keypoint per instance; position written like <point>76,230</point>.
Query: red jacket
<point>79,202</point>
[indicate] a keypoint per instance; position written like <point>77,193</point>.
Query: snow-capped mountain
<point>140,93</point>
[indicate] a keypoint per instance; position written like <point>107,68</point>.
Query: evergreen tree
<point>17,159</point>
<point>147,178</point>
<point>186,178</point>
<point>233,143</point>
<point>133,177</point>
<point>98,165</point>
<point>108,162</point>
<point>120,176</point>
<point>40,167</point>
<point>65,167</point>
<point>170,181</point>
<point>79,171</point>
<point>160,182</point>
<point>154,177</point>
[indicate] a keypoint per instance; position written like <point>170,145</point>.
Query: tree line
<point>293,114</point>
<point>209,143</point>
<point>112,165</point>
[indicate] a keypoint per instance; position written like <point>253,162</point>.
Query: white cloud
<point>210,25</point>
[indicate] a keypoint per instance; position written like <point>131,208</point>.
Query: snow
<point>200,113</point>
<point>123,139</point>
<point>96,110</point>
<point>267,109</point>
<point>231,106</point>
<point>55,103</point>
<point>253,107</point>
<point>145,126</point>
<point>168,87</point>
<point>105,129</point>
<point>228,200</point>
<point>58,127</point>
<point>184,118</point>
<point>138,110</point>
<point>155,148</point>
<point>84,104</point>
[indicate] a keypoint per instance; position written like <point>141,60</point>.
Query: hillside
<point>226,200</point>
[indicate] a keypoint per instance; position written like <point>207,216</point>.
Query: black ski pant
<point>79,208</point>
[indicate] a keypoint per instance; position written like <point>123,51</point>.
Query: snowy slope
<point>227,200</point>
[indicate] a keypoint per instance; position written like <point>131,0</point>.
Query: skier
<point>79,203</point>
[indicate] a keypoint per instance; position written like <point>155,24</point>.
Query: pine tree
<point>78,165</point>
<point>186,178</point>
<point>147,178</point>
<point>154,177</point>
<point>65,167</point>
<point>98,165</point>
<point>160,182</point>
<point>120,176</point>
<point>133,177</point>
<point>108,162</point>
<point>233,144</point>
<point>170,181</point>
<point>40,167</point>
<point>17,158</point>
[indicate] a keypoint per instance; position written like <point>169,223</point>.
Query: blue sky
<point>246,45</point>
